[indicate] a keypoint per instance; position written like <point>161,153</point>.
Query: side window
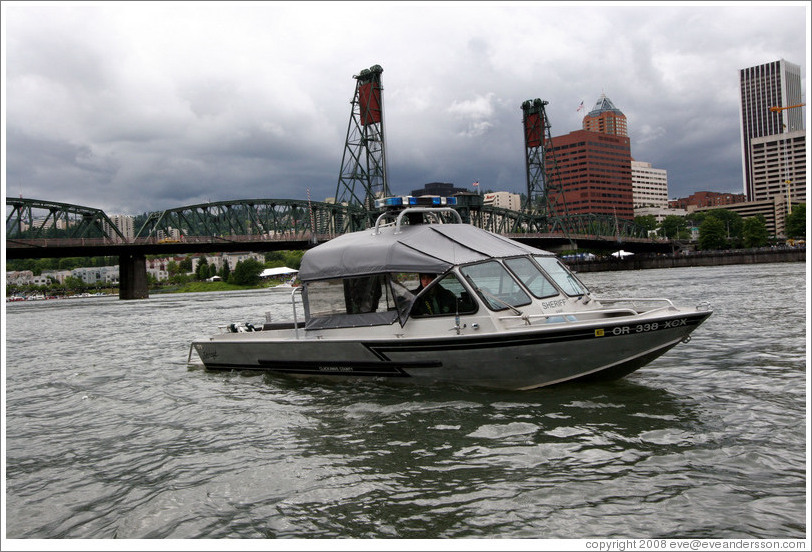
<point>531,277</point>
<point>348,296</point>
<point>495,285</point>
<point>364,294</point>
<point>325,298</point>
<point>442,298</point>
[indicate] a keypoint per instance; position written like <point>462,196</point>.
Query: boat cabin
<point>410,269</point>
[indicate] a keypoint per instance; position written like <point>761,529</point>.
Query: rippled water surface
<point>109,435</point>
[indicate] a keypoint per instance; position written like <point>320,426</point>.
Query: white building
<point>174,235</point>
<point>125,225</point>
<point>97,274</point>
<point>19,277</point>
<point>58,276</point>
<point>505,200</point>
<point>779,167</point>
<point>649,187</point>
<point>659,212</point>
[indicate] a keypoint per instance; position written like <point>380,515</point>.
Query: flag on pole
<point>580,107</point>
<point>476,183</point>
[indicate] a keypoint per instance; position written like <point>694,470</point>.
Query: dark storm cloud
<point>140,107</point>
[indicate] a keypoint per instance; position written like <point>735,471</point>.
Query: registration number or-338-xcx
<point>641,328</point>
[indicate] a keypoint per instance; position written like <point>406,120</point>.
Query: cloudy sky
<point>134,107</point>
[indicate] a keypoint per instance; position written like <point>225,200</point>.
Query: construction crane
<point>779,109</point>
<point>787,179</point>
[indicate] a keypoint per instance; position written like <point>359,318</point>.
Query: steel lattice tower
<point>545,194</point>
<point>363,176</point>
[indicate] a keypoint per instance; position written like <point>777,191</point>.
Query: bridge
<point>45,229</point>
<point>42,229</point>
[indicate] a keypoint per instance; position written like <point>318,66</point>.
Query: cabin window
<point>565,279</point>
<point>532,278</point>
<point>495,285</point>
<point>349,296</point>
<point>443,297</point>
<point>350,302</point>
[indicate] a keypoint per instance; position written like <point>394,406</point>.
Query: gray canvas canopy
<point>416,248</point>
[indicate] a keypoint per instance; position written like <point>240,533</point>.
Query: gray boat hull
<point>526,358</point>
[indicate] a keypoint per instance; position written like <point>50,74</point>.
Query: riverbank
<point>692,259</point>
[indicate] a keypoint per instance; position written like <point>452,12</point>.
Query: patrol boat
<point>491,312</point>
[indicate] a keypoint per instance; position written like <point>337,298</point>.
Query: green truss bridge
<point>42,229</point>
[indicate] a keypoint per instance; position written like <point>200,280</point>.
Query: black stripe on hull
<point>373,368</point>
<point>346,368</point>
<point>501,341</point>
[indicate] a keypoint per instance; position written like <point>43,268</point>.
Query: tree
<point>246,273</point>
<point>712,234</point>
<point>673,227</point>
<point>649,222</point>
<point>289,258</point>
<point>172,268</point>
<point>73,283</point>
<point>733,222</point>
<point>225,271</point>
<point>796,222</point>
<point>186,264</point>
<point>754,232</point>
<point>202,271</point>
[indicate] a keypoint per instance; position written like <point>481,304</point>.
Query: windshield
<point>531,277</point>
<point>495,285</point>
<point>561,276</point>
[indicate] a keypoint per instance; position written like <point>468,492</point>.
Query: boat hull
<point>524,358</point>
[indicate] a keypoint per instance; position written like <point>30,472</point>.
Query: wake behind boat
<point>430,301</point>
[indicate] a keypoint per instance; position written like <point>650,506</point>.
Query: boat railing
<point>432,211</point>
<point>293,305</point>
<point>635,300</point>
<point>573,316</point>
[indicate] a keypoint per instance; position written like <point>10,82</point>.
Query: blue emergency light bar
<point>412,201</point>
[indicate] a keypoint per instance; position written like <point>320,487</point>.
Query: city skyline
<point>117,107</point>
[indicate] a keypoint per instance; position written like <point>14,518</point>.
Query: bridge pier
<point>132,276</point>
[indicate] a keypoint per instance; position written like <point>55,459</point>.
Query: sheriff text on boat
<point>425,298</point>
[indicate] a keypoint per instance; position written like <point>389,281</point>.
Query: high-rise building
<point>649,186</point>
<point>779,167</point>
<point>595,172</point>
<point>605,118</point>
<point>774,84</point>
<point>125,224</point>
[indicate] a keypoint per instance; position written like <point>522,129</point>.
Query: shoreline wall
<point>710,258</point>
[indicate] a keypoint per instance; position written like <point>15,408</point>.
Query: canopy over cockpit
<point>409,248</point>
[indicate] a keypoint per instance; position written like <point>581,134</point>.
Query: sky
<point>135,107</point>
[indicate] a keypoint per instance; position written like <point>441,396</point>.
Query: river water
<point>110,435</point>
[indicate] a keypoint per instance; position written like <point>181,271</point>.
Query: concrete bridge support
<point>132,276</point>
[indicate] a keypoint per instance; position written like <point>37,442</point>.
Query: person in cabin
<point>437,300</point>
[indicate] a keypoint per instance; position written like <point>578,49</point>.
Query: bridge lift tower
<point>363,176</point>
<point>544,206</point>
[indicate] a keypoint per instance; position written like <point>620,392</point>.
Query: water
<point>109,435</point>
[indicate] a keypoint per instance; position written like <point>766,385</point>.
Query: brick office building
<point>596,173</point>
